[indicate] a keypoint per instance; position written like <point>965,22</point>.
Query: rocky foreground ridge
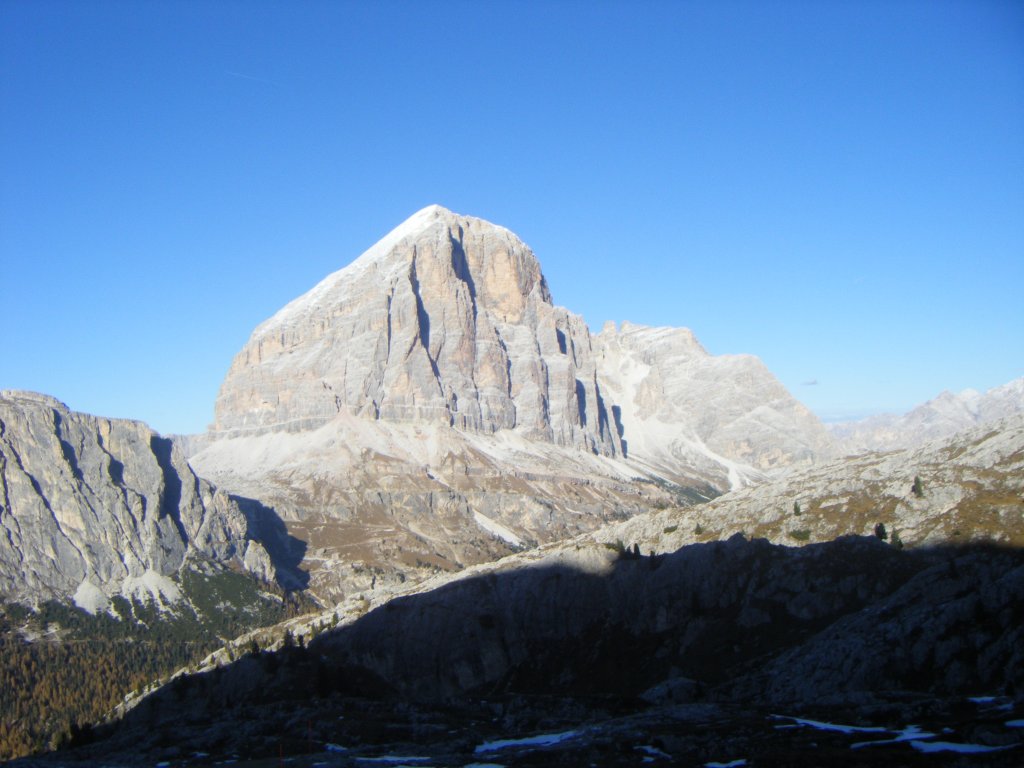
<point>967,488</point>
<point>623,640</point>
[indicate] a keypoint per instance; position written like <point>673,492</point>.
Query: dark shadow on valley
<point>735,622</point>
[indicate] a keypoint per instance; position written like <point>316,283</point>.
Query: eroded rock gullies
<point>90,507</point>
<point>448,319</point>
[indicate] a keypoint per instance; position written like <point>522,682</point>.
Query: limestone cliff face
<point>90,507</point>
<point>446,320</point>
<point>680,406</point>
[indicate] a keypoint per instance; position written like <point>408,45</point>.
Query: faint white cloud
<point>810,383</point>
<point>244,76</point>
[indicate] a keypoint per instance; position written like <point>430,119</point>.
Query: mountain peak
<point>423,219</point>
<point>447,318</point>
<point>428,225</point>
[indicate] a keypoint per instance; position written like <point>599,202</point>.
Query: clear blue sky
<point>836,187</point>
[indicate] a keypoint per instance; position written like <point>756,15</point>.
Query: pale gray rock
<point>378,502</point>
<point>682,407</point>
<point>972,490</point>
<point>94,507</point>
<point>447,320</point>
<point>258,562</point>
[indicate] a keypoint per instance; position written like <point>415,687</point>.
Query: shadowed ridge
<point>727,623</point>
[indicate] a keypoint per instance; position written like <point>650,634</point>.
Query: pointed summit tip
<point>423,218</point>
<point>431,215</point>
<point>431,212</point>
<point>421,222</point>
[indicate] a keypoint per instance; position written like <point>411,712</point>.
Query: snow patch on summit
<point>372,258</point>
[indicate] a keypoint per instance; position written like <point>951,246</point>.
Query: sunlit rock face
<point>446,320</point>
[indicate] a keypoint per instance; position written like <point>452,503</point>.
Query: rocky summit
<point>447,320</point>
<point>429,406</point>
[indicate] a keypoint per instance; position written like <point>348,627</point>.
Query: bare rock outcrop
<point>968,488</point>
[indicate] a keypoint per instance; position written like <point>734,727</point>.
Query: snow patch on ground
<point>650,751</point>
<point>990,703</point>
<point>544,740</point>
<point>497,529</point>
<point>733,764</point>
<point>90,598</point>
<point>910,733</point>
<point>823,726</point>
<point>949,746</point>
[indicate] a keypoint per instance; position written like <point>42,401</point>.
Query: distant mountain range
<point>943,416</point>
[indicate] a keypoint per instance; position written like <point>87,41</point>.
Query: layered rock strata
<point>682,407</point>
<point>93,507</point>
